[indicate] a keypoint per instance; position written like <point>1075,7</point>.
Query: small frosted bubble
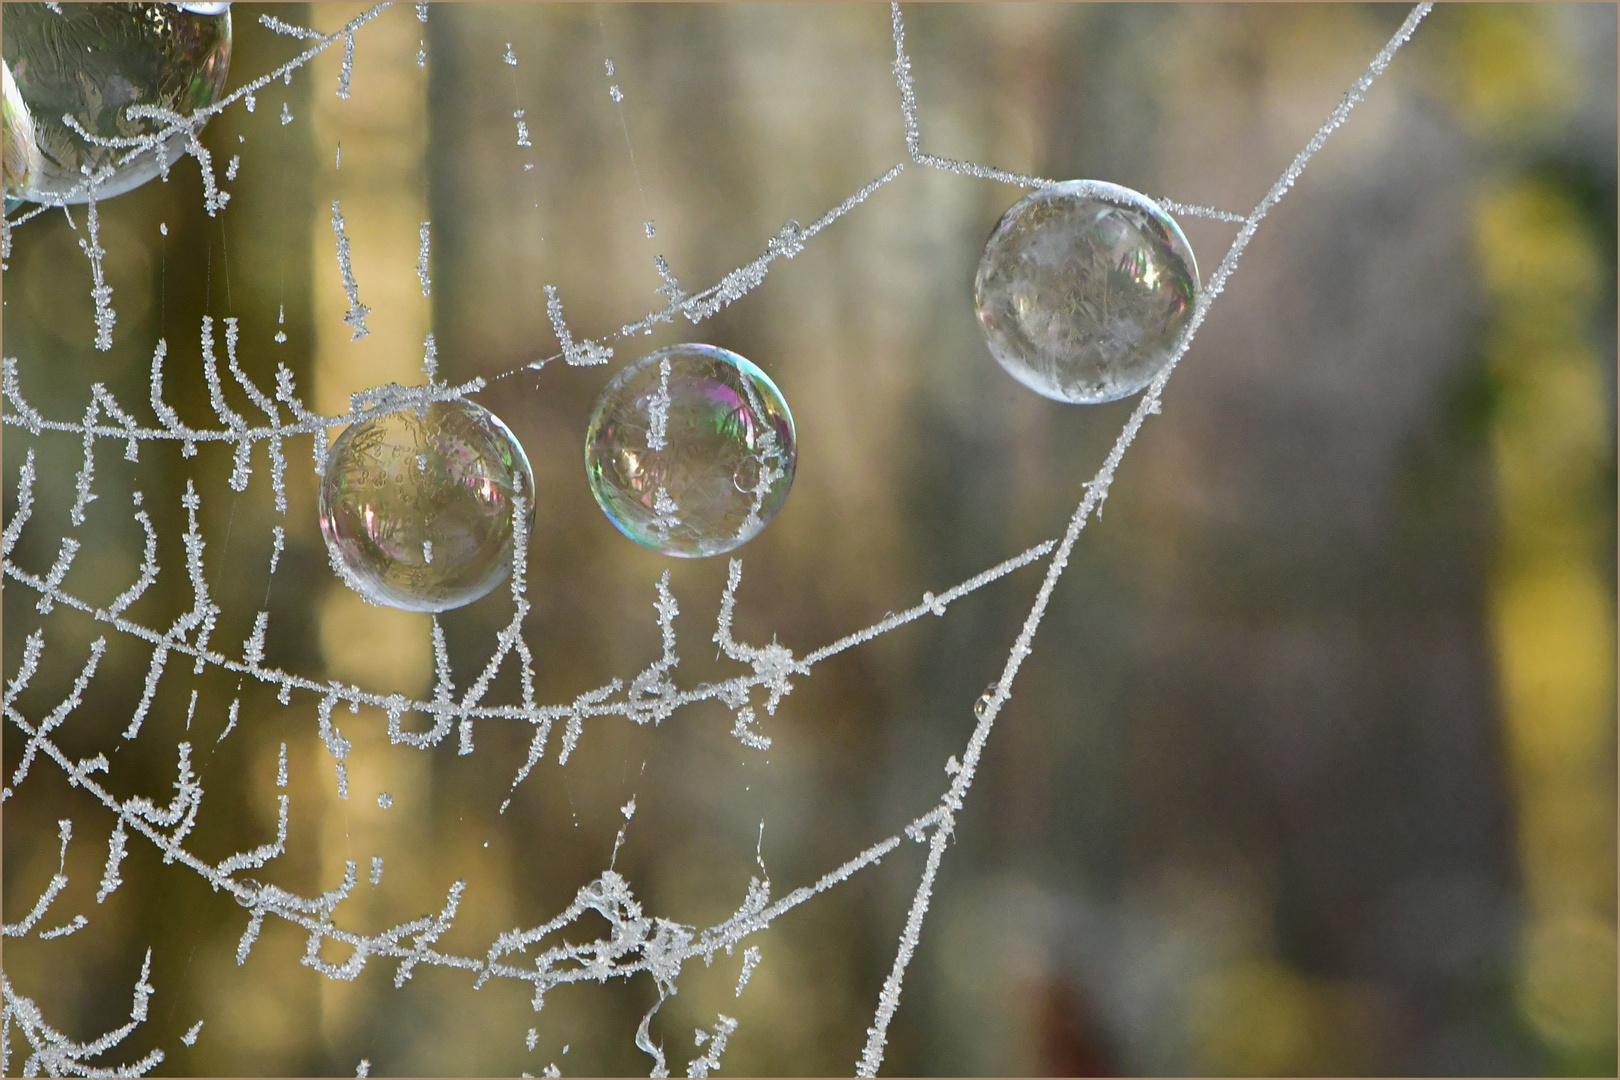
<point>647,226</point>
<point>1084,289</point>
<point>424,538</point>
<point>510,57</point>
<point>385,800</point>
<point>286,114</point>
<point>163,227</point>
<point>616,94</point>
<point>666,443</point>
<point>532,1039</point>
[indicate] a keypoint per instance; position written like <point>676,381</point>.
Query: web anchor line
<point>1096,491</point>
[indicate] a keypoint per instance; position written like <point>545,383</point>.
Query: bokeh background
<point>1312,769</point>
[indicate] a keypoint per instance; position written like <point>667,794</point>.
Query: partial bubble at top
<point>94,61</point>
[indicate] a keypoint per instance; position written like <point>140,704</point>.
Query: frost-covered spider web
<point>265,433</point>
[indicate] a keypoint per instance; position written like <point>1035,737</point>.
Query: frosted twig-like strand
<point>356,318</point>
<point>57,1055</point>
<point>422,260</point>
<point>100,291</point>
<point>52,890</point>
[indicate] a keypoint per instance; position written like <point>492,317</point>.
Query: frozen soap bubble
<point>417,509</point>
<point>93,61</point>
<point>1084,289</point>
<point>691,450</point>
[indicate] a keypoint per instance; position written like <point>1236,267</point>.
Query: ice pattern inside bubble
<point>417,507</point>
<point>93,61</point>
<point>691,450</point>
<point>22,160</point>
<point>1084,289</point>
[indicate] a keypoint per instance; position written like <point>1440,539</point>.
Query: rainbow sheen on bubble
<point>93,61</point>
<point>1084,289</point>
<point>417,507</point>
<point>691,451</point>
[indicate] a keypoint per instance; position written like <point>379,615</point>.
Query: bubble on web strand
<point>379,508</point>
<point>1083,291</point>
<point>691,450</point>
<point>286,115</point>
<point>91,62</point>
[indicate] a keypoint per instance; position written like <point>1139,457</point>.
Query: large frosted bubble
<point>1083,290</point>
<point>93,61</point>
<point>417,507</point>
<point>691,450</point>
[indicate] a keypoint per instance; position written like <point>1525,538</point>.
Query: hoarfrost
<point>636,942</point>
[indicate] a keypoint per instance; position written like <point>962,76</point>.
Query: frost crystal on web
<point>605,932</point>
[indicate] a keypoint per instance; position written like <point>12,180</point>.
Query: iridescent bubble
<point>93,61</point>
<point>1083,290</point>
<point>691,450</point>
<point>417,508</point>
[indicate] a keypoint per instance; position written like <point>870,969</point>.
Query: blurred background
<point>1312,769</point>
